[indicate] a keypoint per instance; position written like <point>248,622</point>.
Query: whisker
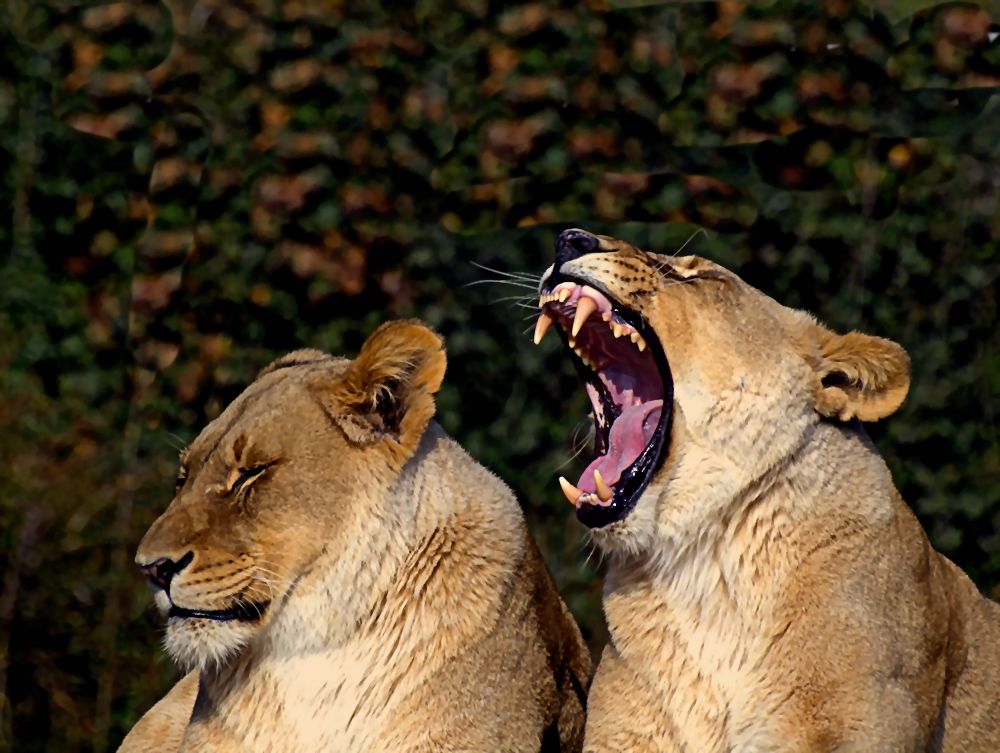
<point>691,237</point>
<point>516,275</point>
<point>271,581</point>
<point>516,298</point>
<point>267,596</point>
<point>577,442</point>
<point>175,441</point>
<point>659,267</point>
<point>244,603</point>
<point>513,283</point>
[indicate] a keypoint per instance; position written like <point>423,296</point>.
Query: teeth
<point>618,329</point>
<point>571,492</point>
<point>604,492</point>
<point>584,308</point>
<point>606,316</point>
<point>639,342</point>
<point>564,294</point>
<point>582,355</point>
<point>542,326</point>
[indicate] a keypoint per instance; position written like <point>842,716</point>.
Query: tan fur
<point>410,609</point>
<point>162,727</point>
<point>771,591</point>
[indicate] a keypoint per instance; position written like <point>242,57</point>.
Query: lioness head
<point>287,480</point>
<point>700,384</point>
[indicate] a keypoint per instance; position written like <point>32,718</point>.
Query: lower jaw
<point>602,516</point>
<point>205,645</point>
<point>595,516</point>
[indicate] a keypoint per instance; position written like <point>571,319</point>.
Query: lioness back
<point>767,588</point>
<point>342,576</point>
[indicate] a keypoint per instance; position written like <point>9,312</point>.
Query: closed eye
<point>245,476</point>
<point>182,474</point>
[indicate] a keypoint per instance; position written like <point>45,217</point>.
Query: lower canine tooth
<point>604,492</point>
<point>571,492</point>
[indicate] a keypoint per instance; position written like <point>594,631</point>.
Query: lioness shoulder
<point>341,575</point>
<point>768,589</point>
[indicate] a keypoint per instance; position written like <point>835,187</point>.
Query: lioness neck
<point>733,570</point>
<point>323,680</point>
<point>702,620</point>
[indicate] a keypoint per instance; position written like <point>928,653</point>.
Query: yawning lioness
<point>768,588</point>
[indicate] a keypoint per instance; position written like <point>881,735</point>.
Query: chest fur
<point>341,700</point>
<point>702,642</point>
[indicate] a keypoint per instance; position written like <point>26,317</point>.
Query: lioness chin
<point>768,589</point>
<point>339,575</point>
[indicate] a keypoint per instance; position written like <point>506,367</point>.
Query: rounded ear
<point>388,391</point>
<point>859,376</point>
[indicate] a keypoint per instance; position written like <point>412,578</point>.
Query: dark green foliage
<point>190,192</point>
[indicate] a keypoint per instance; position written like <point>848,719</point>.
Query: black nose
<point>163,570</point>
<point>574,243</point>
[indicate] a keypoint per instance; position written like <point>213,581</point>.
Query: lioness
<point>768,589</point>
<point>343,577</point>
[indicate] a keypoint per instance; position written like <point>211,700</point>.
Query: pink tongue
<point>630,433</point>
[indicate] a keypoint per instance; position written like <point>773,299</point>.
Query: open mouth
<point>628,381</point>
<point>250,611</point>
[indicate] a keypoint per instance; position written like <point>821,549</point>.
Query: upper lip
<point>242,611</point>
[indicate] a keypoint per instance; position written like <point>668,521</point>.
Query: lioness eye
<point>182,474</point>
<point>247,474</point>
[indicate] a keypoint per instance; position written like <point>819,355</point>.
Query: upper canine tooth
<point>584,308</point>
<point>604,492</point>
<point>542,326</point>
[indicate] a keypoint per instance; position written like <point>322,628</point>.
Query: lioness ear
<point>388,390</point>
<point>859,376</point>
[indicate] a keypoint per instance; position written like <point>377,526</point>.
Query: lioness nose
<point>163,570</point>
<point>573,243</point>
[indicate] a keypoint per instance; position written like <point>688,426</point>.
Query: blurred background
<point>190,189</point>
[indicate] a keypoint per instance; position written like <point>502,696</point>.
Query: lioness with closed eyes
<point>767,589</point>
<point>342,576</point>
